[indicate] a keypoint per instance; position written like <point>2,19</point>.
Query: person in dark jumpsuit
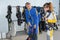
<point>42,23</point>
<point>32,21</point>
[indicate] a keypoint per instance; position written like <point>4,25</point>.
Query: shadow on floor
<point>21,33</point>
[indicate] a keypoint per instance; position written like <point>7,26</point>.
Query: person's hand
<point>29,24</point>
<point>34,26</point>
<point>46,19</point>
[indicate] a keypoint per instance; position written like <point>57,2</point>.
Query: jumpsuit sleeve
<point>27,19</point>
<point>35,18</point>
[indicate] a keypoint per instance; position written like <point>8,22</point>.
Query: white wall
<point>56,6</point>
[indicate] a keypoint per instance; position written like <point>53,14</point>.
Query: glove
<point>34,26</point>
<point>29,24</point>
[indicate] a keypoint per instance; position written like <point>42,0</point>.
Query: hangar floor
<point>23,36</point>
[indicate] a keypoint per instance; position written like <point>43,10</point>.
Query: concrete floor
<point>23,36</point>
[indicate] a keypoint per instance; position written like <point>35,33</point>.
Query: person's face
<point>28,6</point>
<point>46,8</point>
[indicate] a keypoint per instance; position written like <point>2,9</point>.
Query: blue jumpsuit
<point>32,17</point>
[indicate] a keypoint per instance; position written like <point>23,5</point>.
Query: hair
<point>50,6</point>
<point>27,3</point>
<point>46,4</point>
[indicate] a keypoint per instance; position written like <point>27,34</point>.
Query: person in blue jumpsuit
<point>32,21</point>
